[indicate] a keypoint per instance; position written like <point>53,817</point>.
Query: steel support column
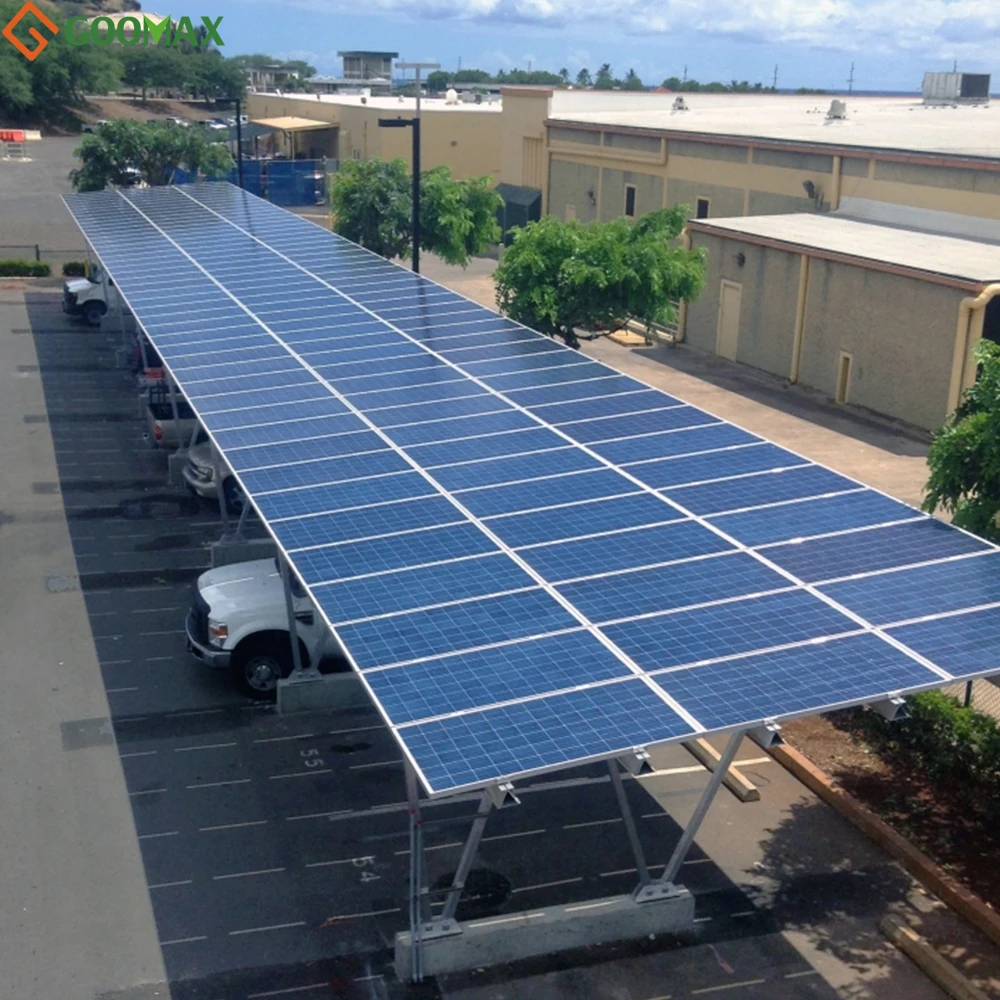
<point>418,897</point>
<point>293,633</point>
<point>220,491</point>
<point>468,856</point>
<point>633,834</point>
<point>664,885</point>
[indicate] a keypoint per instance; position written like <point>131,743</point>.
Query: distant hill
<point>91,8</point>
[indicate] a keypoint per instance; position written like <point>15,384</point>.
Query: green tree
<point>15,82</point>
<point>437,81</point>
<point>583,78</point>
<point>372,205</point>
<point>116,150</point>
<point>672,83</point>
<point>632,81</point>
<point>212,77</point>
<point>558,277</point>
<point>604,80</point>
<point>564,75</point>
<point>964,457</point>
<point>471,76</point>
<point>155,67</point>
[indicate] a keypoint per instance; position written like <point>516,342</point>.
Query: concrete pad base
<point>312,691</point>
<point>227,551</point>
<point>497,940</point>
<point>176,461</point>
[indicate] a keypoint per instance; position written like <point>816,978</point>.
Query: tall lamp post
<point>413,123</point>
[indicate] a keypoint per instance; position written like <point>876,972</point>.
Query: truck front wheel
<point>93,311</point>
<point>260,663</point>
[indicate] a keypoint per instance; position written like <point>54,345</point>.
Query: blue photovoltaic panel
<point>533,559</point>
<point>518,670</point>
<point>740,626</point>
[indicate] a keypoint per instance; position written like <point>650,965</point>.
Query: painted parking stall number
<point>311,758</point>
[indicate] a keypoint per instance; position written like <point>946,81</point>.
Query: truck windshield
<point>96,274</point>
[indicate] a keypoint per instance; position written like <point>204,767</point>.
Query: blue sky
<point>813,42</point>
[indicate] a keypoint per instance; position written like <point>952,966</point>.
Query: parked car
<point>164,430</point>
<point>215,124</point>
<point>92,127</point>
<point>177,121</point>
<point>239,621</point>
<point>199,474</point>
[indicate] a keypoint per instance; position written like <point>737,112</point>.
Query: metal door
<point>728,337</point>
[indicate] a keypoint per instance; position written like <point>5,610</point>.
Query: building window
<point>629,201</point>
<point>701,210</point>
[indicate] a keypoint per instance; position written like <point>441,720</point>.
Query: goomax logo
<point>103,30</point>
<point>8,32</point>
<point>131,30</point>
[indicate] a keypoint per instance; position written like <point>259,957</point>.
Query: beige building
<point>465,137</point>
<point>874,315</point>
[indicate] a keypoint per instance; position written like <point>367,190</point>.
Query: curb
<point>929,960</point>
<point>709,757</point>
<point>934,878</point>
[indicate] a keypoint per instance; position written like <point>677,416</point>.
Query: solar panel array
<point>532,559</point>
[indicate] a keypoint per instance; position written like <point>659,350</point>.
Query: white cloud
<point>936,28</point>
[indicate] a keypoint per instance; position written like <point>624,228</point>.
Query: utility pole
<point>774,82</point>
<point>460,64</point>
<point>954,67</point>
<point>413,123</point>
<point>685,76</point>
<point>850,81</point>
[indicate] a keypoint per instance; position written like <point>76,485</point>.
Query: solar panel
<point>532,559</point>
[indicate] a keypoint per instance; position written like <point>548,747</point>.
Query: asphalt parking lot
<point>275,849</point>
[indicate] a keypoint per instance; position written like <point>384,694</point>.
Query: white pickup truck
<point>86,297</point>
<point>238,621</point>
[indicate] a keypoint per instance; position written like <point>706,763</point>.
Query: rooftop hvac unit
<point>838,111</point>
<point>680,104</point>
<point>451,96</point>
<point>956,88</point>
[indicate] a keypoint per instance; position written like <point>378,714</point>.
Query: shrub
<point>74,269</point>
<point>957,747</point>
<point>24,269</point>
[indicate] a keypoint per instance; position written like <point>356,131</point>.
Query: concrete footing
<point>312,691</point>
<point>497,940</point>
<point>227,551</point>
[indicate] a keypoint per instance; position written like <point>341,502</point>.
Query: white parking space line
<point>205,746</point>
<point>360,729</point>
<point>170,885</point>
<point>272,927</point>
<point>221,784</point>
<point>376,763</point>
<point>288,991</point>
<point>512,836</point>
<point>301,774</point>
<point>726,986</point>
<point>154,836</point>
<point>593,822</point>
<point>119,690</point>
<point>352,916</point>
<point>282,739</point>
<point>433,847</point>
<point>187,940</point>
<point>799,975</point>
<point>138,753</point>
<point>548,885</point>
<point>115,663</point>
<point>232,826</point>
<point>260,871</point>
<point>148,791</point>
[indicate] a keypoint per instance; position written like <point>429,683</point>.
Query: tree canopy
<point>715,87</point>
<point>116,150</point>
<point>964,457</point>
<point>604,80</point>
<point>558,277</point>
<point>372,205</point>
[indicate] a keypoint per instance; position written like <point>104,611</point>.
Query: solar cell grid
<point>275,294</point>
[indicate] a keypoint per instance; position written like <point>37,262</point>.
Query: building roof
<point>891,123</point>
<point>398,104</point>
<point>290,123</point>
<point>361,54</point>
<point>961,261</point>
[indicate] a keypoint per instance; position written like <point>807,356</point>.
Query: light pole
<point>413,123</point>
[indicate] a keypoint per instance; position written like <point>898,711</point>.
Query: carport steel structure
<point>420,461</point>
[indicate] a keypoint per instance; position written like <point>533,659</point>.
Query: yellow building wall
<point>467,141</point>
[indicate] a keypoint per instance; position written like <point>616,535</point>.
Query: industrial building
<point>863,225</point>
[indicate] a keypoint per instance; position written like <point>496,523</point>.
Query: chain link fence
<point>982,694</point>
<point>35,251</point>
